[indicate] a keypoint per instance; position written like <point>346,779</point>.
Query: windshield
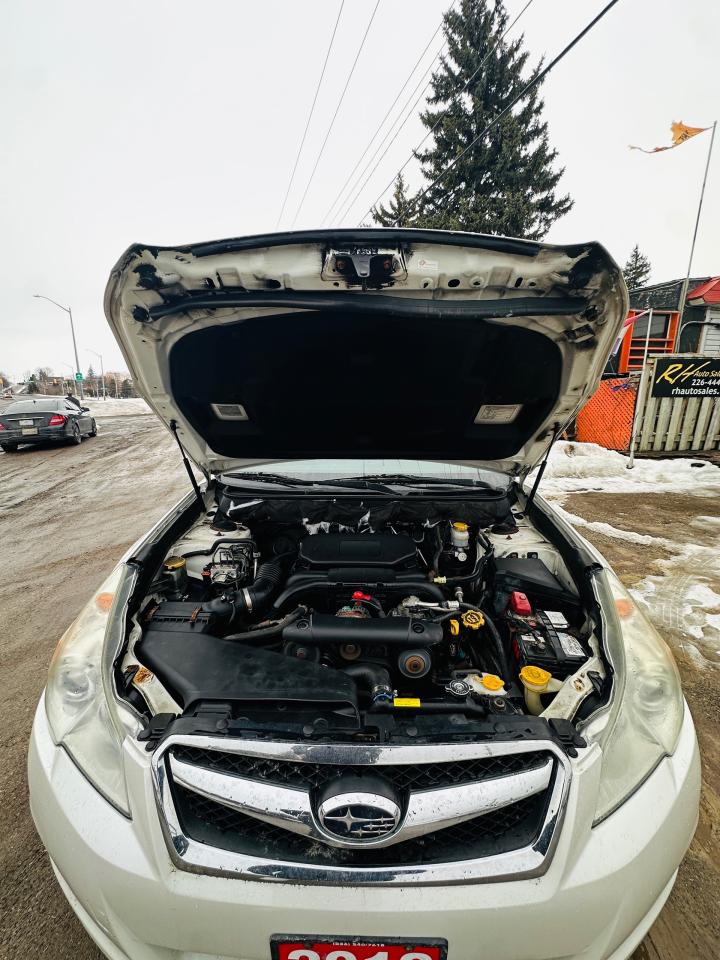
<point>323,470</point>
<point>28,406</point>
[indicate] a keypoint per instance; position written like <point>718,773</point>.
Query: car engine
<point>431,615</point>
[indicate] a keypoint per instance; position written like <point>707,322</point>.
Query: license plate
<point>26,423</point>
<point>27,431</point>
<point>288,947</point>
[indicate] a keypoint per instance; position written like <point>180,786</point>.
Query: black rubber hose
<point>499,647</point>
<point>478,567</point>
<point>271,630</point>
<point>260,593</point>
<point>247,600</point>
<point>377,680</point>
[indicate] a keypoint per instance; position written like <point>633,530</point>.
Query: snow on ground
<point>576,467</point>
<point>682,599</point>
<point>122,407</point>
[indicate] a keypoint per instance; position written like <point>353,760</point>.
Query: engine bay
<point>336,616</point>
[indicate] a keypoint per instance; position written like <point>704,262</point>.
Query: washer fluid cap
<point>535,677</point>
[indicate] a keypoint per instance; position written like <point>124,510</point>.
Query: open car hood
<point>374,343</point>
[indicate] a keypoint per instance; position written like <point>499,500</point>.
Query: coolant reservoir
<point>487,684</point>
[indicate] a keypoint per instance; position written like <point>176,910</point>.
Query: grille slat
<point>419,776</point>
<point>494,833</point>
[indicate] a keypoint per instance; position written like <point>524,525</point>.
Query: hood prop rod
<point>193,481</point>
<point>541,471</point>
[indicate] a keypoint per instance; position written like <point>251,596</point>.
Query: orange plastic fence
<point>606,419</point>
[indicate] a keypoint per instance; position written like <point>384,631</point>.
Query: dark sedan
<point>43,419</point>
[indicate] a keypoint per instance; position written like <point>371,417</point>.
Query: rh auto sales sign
<point>686,377</point>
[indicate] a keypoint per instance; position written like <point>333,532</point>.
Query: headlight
<point>644,722</point>
<point>82,709</point>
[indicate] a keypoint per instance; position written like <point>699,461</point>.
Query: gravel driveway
<point>67,514</point>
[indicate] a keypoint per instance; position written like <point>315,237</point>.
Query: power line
<point>410,112</point>
<point>437,122</point>
<point>387,114</point>
<point>337,110</point>
<point>533,83</point>
<point>310,116</point>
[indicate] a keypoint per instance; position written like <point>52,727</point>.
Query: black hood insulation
<point>493,508</point>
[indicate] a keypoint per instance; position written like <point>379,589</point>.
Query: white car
<point>362,694</point>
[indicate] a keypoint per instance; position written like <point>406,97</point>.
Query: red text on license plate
<point>357,949</point>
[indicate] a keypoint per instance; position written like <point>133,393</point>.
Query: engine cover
<point>324,551</point>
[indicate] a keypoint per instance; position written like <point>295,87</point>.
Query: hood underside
<point>366,343</point>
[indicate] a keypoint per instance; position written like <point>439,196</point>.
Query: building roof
<point>663,296</point>
<point>708,292</point>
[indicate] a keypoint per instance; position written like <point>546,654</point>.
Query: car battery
<point>544,639</point>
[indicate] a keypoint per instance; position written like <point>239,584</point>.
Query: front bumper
<point>602,891</point>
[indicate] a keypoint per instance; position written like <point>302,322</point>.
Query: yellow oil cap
<point>535,676</point>
<point>492,682</point>
<point>473,619</point>
<point>460,526</point>
<point>174,563</point>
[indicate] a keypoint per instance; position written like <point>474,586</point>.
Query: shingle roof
<point>662,296</point>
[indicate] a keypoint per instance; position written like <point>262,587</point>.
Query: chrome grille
<point>247,808</point>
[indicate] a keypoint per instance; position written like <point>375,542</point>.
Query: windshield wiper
<point>357,485</point>
<point>271,478</point>
<point>408,480</point>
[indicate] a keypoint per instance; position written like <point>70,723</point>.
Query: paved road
<point>67,513</point>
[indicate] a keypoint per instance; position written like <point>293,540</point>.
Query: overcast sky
<point>170,121</point>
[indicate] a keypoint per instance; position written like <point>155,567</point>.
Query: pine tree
<point>399,212</point>
<point>637,269</point>
<point>506,183</point>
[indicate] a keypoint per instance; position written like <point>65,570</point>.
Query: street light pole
<point>68,311</point>
<point>102,369</point>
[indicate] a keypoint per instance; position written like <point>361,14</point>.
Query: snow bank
<point>123,407</point>
<point>586,466</point>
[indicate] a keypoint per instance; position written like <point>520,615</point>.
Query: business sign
<point>686,377</point>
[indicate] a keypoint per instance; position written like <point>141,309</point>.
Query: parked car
<point>364,694</point>
<point>43,420</point>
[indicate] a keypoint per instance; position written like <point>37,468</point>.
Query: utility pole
<point>686,282</point>
<point>68,311</point>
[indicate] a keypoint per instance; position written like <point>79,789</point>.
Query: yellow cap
<point>174,563</point>
<point>460,526</point>
<point>454,627</point>
<point>473,619</point>
<point>492,682</point>
<point>535,676</point>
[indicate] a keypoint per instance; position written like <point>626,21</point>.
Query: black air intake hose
<point>376,679</point>
<point>247,600</point>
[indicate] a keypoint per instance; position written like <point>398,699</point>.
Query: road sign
<point>79,377</point>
